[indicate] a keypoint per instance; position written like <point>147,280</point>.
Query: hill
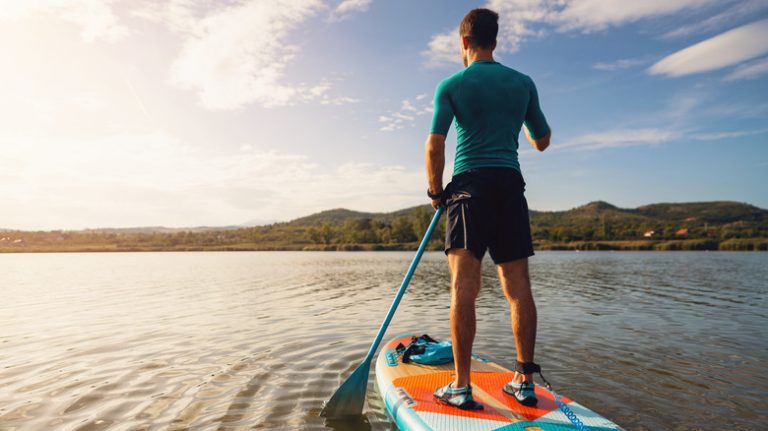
<point>341,215</point>
<point>599,225</point>
<point>603,221</point>
<point>338,215</point>
<point>709,212</point>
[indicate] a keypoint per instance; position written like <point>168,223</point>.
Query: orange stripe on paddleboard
<point>492,383</point>
<point>421,388</point>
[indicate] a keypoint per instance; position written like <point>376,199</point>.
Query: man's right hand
<point>540,144</point>
<point>436,201</point>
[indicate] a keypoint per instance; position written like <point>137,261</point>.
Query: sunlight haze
<point>204,113</point>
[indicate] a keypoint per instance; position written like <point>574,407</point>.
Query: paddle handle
<point>404,285</point>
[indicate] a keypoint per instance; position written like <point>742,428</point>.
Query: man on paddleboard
<point>485,203</point>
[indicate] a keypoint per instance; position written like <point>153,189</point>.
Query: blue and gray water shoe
<point>457,397</point>
<point>523,393</point>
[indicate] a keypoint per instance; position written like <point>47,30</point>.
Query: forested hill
<point>601,220</point>
<point>597,225</point>
<point>598,220</point>
<point>714,212</point>
<point>341,215</point>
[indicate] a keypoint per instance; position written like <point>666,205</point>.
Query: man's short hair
<point>480,26</point>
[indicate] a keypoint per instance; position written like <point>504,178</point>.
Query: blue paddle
<point>349,398</point>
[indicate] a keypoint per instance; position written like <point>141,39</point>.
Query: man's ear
<point>465,42</point>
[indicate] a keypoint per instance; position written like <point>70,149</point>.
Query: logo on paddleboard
<point>404,398</point>
<point>391,356</point>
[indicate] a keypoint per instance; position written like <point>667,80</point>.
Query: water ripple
<point>225,341</point>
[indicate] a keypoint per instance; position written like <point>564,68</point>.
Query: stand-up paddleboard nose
<point>407,389</point>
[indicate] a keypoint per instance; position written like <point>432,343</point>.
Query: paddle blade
<point>348,400</point>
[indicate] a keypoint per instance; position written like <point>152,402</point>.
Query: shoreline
<point>747,244</point>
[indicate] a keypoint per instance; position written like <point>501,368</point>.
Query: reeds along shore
<point>750,244</point>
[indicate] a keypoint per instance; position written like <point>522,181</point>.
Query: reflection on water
<point>258,340</point>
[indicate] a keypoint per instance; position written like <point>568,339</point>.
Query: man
<point>486,208</point>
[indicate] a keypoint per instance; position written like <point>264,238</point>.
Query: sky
<point>209,113</point>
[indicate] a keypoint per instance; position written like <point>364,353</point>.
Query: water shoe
<point>523,393</point>
<point>457,397</point>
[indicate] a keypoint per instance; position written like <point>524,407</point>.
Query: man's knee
<point>514,278</point>
<point>465,289</point>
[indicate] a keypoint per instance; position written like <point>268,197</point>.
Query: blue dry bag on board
<point>427,351</point>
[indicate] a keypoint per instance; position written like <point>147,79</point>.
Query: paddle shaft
<point>404,285</point>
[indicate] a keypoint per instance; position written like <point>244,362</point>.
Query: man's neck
<point>473,56</point>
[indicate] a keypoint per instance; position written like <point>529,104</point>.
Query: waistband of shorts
<point>489,171</point>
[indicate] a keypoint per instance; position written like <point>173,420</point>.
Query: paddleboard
<point>407,393</point>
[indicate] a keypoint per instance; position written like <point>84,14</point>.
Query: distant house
<point>682,232</point>
<point>649,234</point>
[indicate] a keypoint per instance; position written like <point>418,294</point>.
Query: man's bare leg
<point>517,288</point>
<point>465,286</point>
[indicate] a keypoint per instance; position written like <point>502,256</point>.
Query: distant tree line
<point>617,229</point>
<point>403,229</point>
<point>596,226</point>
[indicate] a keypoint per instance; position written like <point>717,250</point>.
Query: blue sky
<point>186,113</point>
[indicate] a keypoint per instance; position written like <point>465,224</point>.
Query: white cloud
<point>232,53</point>
<point>237,55</point>
<point>593,15</point>
<point>178,15</point>
<point>407,105</point>
<point>726,49</point>
<point>443,49</point>
<point>524,19</point>
<point>353,6</point>
<point>620,138</point>
<point>410,110</point>
<point>633,137</point>
<point>403,117</point>
<point>749,71</point>
<point>624,63</point>
<point>715,136</point>
<point>734,11</point>
<point>518,20</point>
<point>95,17</point>
<point>336,101</point>
<point>156,179</point>
<point>347,7</point>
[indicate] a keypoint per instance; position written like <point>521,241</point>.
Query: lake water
<point>258,340</point>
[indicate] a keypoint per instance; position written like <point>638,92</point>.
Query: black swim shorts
<point>487,209</point>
